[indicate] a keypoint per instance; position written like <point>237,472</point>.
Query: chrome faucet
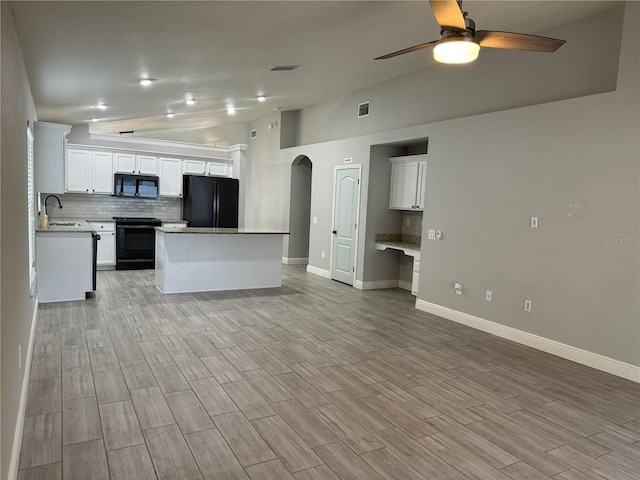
<point>47,198</point>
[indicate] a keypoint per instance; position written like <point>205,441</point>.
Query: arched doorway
<point>299,211</point>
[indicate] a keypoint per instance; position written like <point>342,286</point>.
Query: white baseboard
<point>295,261</point>
<point>17,437</point>
<point>319,271</point>
<point>375,284</point>
<point>578,355</point>
<point>404,285</point>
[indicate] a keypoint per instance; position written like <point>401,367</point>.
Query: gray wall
<point>16,305</point>
<point>586,64</point>
<point>300,209</point>
<point>489,173</point>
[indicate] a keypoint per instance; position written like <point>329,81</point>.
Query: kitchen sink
<point>64,224</point>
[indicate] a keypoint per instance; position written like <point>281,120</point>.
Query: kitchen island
<point>199,259</point>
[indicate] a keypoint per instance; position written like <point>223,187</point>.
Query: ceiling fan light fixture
<point>456,49</point>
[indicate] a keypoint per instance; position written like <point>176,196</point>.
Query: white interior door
<point>345,224</point>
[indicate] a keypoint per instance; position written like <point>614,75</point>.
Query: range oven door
<point>135,247</point>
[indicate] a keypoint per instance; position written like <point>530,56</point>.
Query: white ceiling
<point>80,53</point>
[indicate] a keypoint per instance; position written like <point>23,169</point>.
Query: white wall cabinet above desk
<point>89,172</point>
<point>138,164</point>
<point>408,182</point>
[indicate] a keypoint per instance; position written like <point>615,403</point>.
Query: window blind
<point>31,215</point>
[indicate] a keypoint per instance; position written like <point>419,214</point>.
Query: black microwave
<point>139,186</point>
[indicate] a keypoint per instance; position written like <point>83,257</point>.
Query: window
<point>31,215</point>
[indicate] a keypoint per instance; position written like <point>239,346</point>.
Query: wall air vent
<point>284,68</point>
<point>363,109</point>
<point>254,133</point>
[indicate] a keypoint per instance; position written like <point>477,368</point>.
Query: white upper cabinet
<point>147,165</point>
<point>138,164</point>
<point>219,169</point>
<point>196,167</point>
<point>89,172</point>
<point>49,148</point>
<point>408,182</point>
<point>170,177</point>
<point>101,172</point>
<point>78,171</point>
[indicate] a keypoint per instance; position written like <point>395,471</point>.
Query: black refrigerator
<point>210,201</point>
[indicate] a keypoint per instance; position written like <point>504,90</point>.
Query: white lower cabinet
<point>106,245</point>
<point>415,279</point>
<point>64,265</point>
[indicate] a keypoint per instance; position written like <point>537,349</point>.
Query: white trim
<point>376,284</point>
<point>319,271</point>
<point>295,261</point>
<point>17,437</point>
<point>357,166</point>
<point>578,355</point>
<point>165,143</point>
<point>157,153</point>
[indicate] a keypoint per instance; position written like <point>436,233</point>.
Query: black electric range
<point>136,242</point>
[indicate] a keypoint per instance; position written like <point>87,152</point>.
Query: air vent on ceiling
<point>254,133</point>
<point>284,68</point>
<point>363,109</point>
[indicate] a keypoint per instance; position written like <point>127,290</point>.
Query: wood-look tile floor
<point>314,380</point>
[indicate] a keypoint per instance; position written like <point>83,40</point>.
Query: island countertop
<point>221,231</point>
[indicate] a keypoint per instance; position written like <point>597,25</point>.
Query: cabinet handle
<point>87,189</point>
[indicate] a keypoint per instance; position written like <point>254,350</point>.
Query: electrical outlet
<point>322,253</point>
<point>527,306</point>
<point>489,295</point>
<point>431,234</point>
<point>534,222</point>
<point>20,357</point>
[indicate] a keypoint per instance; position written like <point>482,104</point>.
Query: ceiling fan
<point>460,42</point>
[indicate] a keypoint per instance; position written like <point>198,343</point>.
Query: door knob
<point>335,232</point>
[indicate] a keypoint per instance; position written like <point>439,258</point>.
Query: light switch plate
<point>431,234</point>
<point>315,220</point>
<point>534,222</point>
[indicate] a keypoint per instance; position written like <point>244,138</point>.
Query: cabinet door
<point>170,177</point>
<point>78,170</point>
<point>422,184</point>
<point>218,169</point>
<point>106,249</point>
<point>404,184</point>
<point>147,165</point>
<point>124,162</point>
<point>101,172</point>
<point>197,167</point>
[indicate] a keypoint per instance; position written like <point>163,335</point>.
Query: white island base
<point>205,260</point>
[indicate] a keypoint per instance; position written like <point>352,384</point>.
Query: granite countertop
<point>400,240</point>
<point>82,227</point>
<point>222,231</point>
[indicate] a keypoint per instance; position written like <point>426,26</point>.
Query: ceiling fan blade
<point>517,41</point>
<point>448,14</point>
<point>407,50</point>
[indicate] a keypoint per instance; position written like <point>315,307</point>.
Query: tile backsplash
<point>78,205</point>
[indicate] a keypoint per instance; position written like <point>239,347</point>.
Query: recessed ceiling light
<point>94,120</point>
<point>261,98</point>
<point>231,110</point>
<point>170,114</point>
<point>190,101</point>
<point>145,82</point>
<point>100,106</point>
